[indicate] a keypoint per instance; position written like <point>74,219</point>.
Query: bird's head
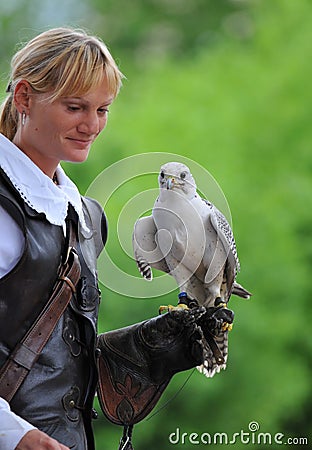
<point>177,176</point>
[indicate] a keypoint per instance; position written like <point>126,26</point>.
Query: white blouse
<point>39,192</point>
<point>44,196</point>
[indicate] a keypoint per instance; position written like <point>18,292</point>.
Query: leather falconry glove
<point>136,363</point>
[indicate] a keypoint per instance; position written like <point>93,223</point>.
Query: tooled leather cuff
<point>137,362</point>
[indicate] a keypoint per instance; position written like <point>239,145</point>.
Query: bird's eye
<point>162,174</point>
<point>182,175</point>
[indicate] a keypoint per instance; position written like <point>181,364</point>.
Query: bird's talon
<point>181,306</point>
<point>218,303</point>
<point>227,326</point>
<point>168,308</point>
<point>164,309</point>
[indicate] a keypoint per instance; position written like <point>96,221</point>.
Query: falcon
<point>187,237</point>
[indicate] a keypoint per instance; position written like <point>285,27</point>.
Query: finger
<point>51,444</point>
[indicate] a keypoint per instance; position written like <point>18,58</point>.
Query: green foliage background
<point>229,87</point>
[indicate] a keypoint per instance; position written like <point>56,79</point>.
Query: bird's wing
<point>225,232</point>
<point>146,251</point>
<point>225,251</point>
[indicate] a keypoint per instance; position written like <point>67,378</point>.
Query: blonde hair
<point>61,61</point>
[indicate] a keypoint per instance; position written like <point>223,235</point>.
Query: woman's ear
<point>22,95</point>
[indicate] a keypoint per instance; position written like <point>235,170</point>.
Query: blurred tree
<point>20,20</point>
<point>136,30</point>
<point>13,16</point>
<point>156,29</point>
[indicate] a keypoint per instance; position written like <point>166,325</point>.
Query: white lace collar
<point>37,189</point>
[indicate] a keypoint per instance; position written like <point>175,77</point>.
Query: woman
<point>62,84</point>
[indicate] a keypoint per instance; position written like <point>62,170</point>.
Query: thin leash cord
<point>173,397</point>
<point>125,442</point>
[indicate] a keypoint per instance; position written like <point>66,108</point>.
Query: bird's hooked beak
<point>170,183</point>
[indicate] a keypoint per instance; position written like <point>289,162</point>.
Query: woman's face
<point>64,129</point>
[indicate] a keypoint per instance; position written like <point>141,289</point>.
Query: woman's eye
<point>103,111</point>
<point>73,108</point>
<point>182,175</point>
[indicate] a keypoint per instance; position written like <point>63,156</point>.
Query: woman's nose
<point>91,124</point>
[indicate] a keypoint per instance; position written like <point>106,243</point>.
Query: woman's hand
<point>38,440</point>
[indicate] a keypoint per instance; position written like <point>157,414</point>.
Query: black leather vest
<point>57,394</point>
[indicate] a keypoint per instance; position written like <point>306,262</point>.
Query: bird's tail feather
<point>240,291</point>
<point>210,365</point>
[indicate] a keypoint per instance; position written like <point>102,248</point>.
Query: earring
<point>23,118</point>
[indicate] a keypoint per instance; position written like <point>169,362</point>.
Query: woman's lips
<point>81,142</point>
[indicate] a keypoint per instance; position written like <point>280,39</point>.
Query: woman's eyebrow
<point>107,102</point>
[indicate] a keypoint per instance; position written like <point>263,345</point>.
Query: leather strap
<point>26,352</point>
